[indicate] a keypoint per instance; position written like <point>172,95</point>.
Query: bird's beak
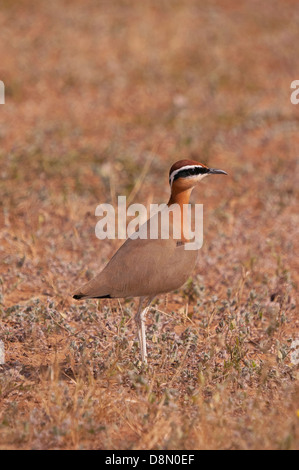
<point>213,171</point>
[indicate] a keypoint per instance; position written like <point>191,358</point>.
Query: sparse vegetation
<point>95,93</point>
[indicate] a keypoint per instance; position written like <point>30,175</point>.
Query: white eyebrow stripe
<point>187,167</point>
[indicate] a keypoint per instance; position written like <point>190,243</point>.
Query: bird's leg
<point>140,322</point>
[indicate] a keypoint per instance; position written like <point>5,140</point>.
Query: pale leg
<point>140,322</point>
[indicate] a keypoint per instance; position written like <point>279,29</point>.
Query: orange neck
<point>180,197</point>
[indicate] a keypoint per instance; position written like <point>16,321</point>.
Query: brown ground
<point>101,98</point>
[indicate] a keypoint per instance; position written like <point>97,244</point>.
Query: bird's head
<point>185,174</point>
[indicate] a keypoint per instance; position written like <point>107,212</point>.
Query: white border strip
<point>187,167</point>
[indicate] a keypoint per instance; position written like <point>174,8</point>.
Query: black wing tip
<point>77,296</point>
<point>82,296</point>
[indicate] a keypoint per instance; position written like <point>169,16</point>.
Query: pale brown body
<point>137,271</point>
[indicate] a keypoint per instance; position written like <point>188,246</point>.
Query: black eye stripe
<point>197,170</point>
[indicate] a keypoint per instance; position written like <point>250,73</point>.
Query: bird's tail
<point>83,296</point>
<point>79,296</point>
<point>92,290</point>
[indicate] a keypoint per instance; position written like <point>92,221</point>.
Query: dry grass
<point>94,92</point>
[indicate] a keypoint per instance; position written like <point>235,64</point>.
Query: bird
<point>147,267</point>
